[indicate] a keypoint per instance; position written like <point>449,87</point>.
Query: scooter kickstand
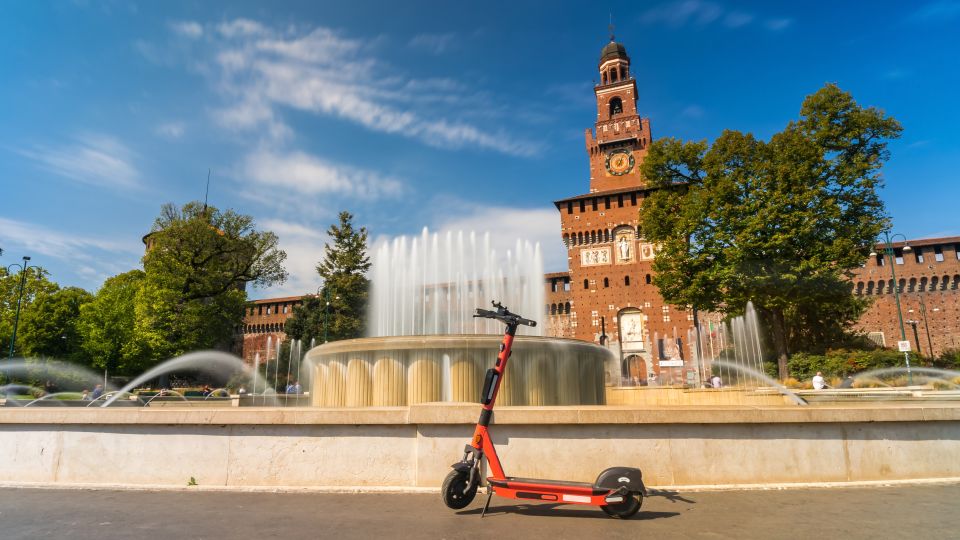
<point>487,504</point>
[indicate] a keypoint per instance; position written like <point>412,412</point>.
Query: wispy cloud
<point>172,130</point>
<point>309,175</point>
<point>506,225</point>
<point>93,158</point>
<point>432,43</point>
<point>692,111</point>
<point>304,246</point>
<point>937,11</point>
<point>261,72</point>
<point>703,13</point>
<point>93,258</point>
<point>190,29</point>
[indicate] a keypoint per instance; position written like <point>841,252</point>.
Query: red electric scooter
<point>618,491</point>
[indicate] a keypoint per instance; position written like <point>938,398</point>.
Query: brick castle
<point>606,296</point>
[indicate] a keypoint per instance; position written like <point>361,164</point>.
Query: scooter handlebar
<point>504,315</point>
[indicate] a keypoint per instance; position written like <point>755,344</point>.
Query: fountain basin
<point>408,370</point>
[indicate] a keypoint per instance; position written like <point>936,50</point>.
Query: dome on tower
<point>613,50</point>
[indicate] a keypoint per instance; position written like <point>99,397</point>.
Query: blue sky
<point>449,115</point>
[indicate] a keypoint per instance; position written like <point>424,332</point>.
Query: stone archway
<point>635,370</point>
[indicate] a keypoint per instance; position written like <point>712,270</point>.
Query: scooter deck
<point>547,485</point>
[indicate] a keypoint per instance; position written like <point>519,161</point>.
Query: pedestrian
<point>85,396</point>
<point>290,389</point>
<point>297,389</point>
<point>97,392</point>
<point>818,381</point>
<point>207,390</point>
<point>716,382</point>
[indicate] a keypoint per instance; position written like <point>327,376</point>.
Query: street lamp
<point>888,250</point>
<point>16,318</point>
<point>916,336</point>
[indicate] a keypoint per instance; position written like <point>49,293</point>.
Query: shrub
<point>842,362</point>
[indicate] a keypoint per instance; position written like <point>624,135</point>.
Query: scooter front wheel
<point>623,510</point>
<point>457,490</point>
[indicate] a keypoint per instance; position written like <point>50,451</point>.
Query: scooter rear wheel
<point>457,490</point>
<point>623,510</point>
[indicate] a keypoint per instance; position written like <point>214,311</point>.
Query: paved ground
<point>927,512</point>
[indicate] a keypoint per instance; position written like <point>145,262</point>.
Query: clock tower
<point>622,137</point>
<point>607,296</point>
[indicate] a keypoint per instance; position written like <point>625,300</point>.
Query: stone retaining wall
<point>413,447</point>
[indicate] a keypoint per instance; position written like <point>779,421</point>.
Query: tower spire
<point>610,27</point>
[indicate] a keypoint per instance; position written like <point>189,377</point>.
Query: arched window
<point>567,307</point>
<point>586,284</point>
<point>626,280</point>
<point>606,282</point>
<point>553,309</point>
<point>616,106</point>
<point>913,285</point>
<point>623,73</point>
<point>613,74</point>
<point>604,77</point>
<point>647,279</point>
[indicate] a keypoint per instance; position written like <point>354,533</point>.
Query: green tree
<point>36,285</point>
<point>107,323</point>
<point>339,308</point>
<point>779,223</point>
<point>49,328</point>
<point>196,270</point>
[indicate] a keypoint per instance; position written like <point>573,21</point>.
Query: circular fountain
<point>425,345</point>
<point>406,370</point>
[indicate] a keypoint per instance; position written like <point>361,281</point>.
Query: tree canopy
<point>340,306</point>
<point>107,323</point>
<point>48,329</point>
<point>196,269</point>
<point>780,223</point>
<point>36,285</point>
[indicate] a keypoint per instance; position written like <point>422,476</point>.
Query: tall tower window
<point>616,106</point>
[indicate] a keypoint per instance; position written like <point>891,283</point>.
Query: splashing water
<point>432,283</point>
<point>760,376</point>
<point>216,362</point>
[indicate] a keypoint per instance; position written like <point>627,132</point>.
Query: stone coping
<point>460,413</point>
<point>482,343</point>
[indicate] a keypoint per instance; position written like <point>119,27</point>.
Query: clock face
<point>619,162</point>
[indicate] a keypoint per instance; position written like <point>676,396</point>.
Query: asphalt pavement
<point>919,511</point>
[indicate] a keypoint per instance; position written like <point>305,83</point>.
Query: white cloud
<point>506,225</point>
<point>190,29</point>
<point>241,28</point>
<point>432,43</point>
<point>309,175</point>
<point>777,24</point>
<point>703,13</point>
<point>737,19</point>
<point>172,130</point>
<point>95,159</point>
<point>261,71</point>
<point>692,111</point>
<point>304,246</point>
<point>92,258</point>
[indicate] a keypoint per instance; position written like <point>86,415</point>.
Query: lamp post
<point>16,318</point>
<point>326,311</point>
<point>916,336</point>
<point>926,325</point>
<point>888,250</point>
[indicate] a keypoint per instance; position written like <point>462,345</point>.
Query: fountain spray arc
<point>430,284</point>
